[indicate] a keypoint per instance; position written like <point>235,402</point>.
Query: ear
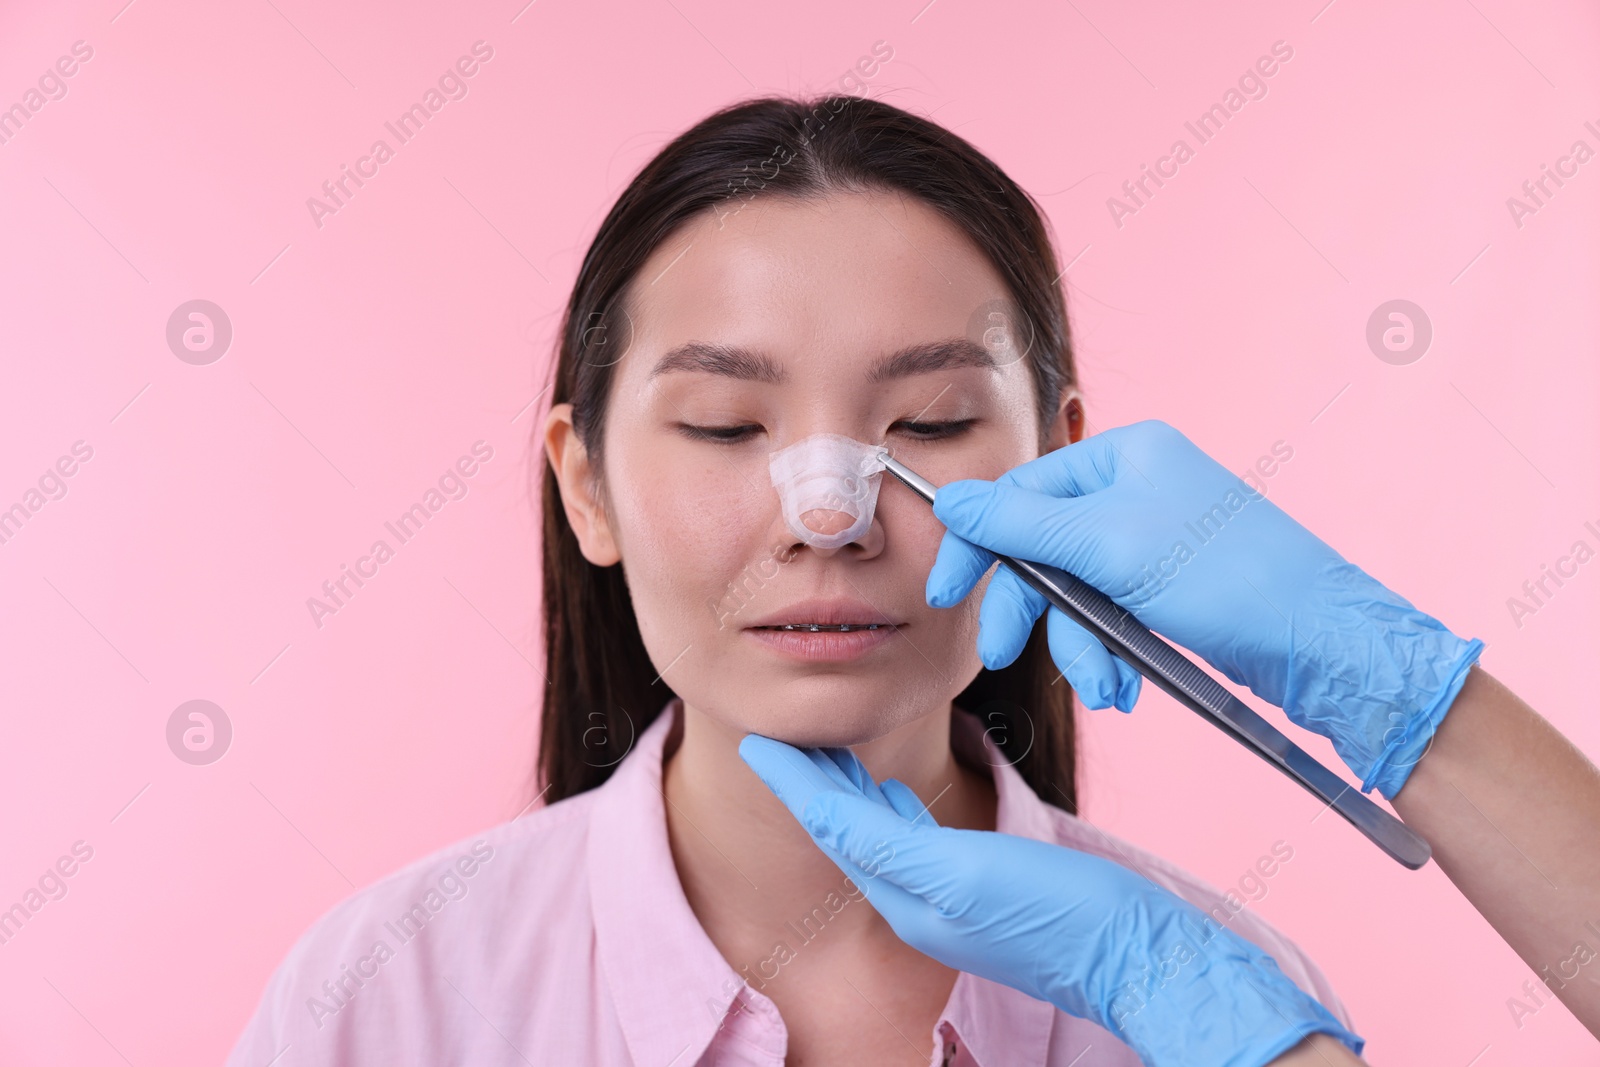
<point>580,498</point>
<point>1068,425</point>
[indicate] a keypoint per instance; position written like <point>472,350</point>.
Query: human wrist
<point>1372,673</point>
<point>1194,968</point>
<point>1318,1050</point>
<point>1393,767</point>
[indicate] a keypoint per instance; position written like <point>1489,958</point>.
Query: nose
<point>865,545</point>
<point>827,485</point>
<point>826,522</point>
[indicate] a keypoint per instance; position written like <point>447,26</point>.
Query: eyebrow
<point>747,364</point>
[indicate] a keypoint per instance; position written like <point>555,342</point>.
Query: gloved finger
<point>1061,531</point>
<point>831,768</point>
<point>802,778</point>
<point>797,777</point>
<point>855,772</point>
<point>1129,684</point>
<point>1083,467</point>
<point>1005,618</point>
<point>907,913</point>
<point>907,803</point>
<point>878,840</point>
<point>959,566</point>
<point>791,773</point>
<point>1076,470</point>
<point>1088,666</point>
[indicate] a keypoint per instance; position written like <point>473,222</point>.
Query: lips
<point>824,616</point>
<point>819,628</point>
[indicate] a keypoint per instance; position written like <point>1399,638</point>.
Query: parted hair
<point>603,688</point>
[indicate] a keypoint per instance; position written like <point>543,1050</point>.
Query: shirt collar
<point>672,1017</point>
<point>670,1013</point>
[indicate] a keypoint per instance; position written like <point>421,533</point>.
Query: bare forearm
<point>1318,1050</point>
<point>1512,811</point>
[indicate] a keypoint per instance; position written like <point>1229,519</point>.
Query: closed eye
<point>921,431</point>
<point>934,431</point>
<point>719,434</point>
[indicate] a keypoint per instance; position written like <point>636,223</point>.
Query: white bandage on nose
<point>828,484</point>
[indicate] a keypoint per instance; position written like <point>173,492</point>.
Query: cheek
<point>684,531</point>
<point>914,538</point>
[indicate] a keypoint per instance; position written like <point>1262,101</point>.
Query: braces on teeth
<point>814,627</point>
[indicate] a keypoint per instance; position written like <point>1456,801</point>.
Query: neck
<point>752,874</point>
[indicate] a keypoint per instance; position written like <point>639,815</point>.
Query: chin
<point>837,713</point>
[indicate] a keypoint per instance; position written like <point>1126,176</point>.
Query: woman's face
<point>792,309</point>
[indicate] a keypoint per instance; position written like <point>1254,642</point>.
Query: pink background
<point>368,354</point>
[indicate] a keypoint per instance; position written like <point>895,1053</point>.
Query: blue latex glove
<point>1088,935</point>
<point>1197,555</point>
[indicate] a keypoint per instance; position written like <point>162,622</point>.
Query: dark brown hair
<point>603,689</point>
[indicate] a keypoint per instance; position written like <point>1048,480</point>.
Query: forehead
<point>829,280</point>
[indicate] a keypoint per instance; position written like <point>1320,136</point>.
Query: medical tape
<point>832,474</point>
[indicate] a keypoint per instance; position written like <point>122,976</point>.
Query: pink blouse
<point>564,937</point>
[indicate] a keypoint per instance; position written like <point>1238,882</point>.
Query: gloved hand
<point>1142,514</point>
<point>1088,935</point>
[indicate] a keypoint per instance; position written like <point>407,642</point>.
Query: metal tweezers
<point>1163,664</point>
